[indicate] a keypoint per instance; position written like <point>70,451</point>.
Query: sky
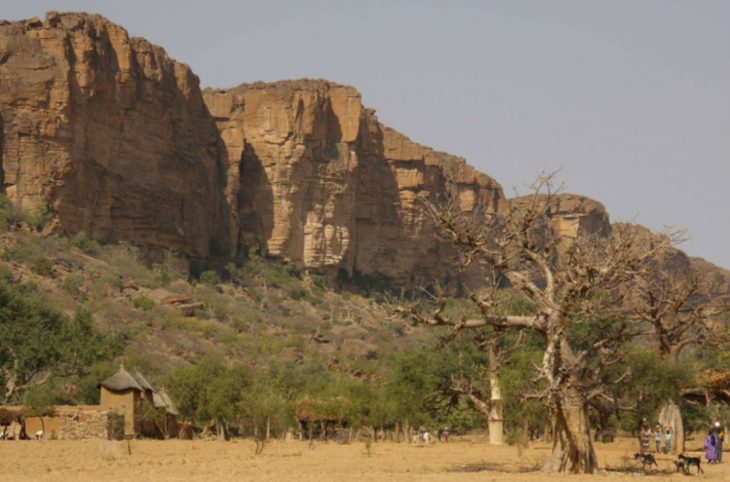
<point>629,99</point>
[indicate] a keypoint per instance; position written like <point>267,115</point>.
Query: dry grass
<point>199,460</point>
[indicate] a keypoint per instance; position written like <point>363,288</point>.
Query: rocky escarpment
<point>315,177</point>
<point>115,139</point>
<point>674,261</point>
<point>109,134</point>
<point>573,215</point>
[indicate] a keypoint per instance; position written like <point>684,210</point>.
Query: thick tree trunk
<point>572,447</point>
<point>495,420</point>
<point>220,428</point>
<point>671,416</point>
<point>674,351</point>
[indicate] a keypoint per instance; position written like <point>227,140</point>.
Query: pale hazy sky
<point>630,98</point>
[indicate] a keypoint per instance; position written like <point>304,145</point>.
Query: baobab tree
<point>678,310</point>
<point>480,384</point>
<point>570,284</point>
<point>489,404</point>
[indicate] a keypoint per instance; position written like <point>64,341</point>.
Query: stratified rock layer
<point>115,139</point>
<point>109,134</point>
<point>315,177</point>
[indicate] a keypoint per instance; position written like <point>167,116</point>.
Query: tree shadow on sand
<point>507,467</point>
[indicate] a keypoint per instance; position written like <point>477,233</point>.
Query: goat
<point>690,461</point>
<point>646,459</point>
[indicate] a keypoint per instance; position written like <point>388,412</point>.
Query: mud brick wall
<point>83,425</point>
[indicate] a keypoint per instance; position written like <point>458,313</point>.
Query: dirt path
<point>294,461</point>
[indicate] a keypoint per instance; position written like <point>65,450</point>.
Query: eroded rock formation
<point>108,133</point>
<point>315,177</point>
<point>116,140</point>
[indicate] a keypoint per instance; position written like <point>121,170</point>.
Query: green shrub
<point>39,219</point>
<point>87,245</point>
<point>210,278</point>
<point>42,267</point>
<point>72,284</point>
<point>9,215</point>
<point>143,303</point>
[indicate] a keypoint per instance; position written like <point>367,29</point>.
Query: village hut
<point>166,406</point>
<point>130,394</point>
<point>320,416</point>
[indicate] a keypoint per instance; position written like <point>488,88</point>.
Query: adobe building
<point>130,394</point>
<point>146,412</point>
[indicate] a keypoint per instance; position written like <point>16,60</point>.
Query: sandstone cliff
<point>315,177</point>
<point>116,140</point>
<point>572,215</point>
<point>107,133</point>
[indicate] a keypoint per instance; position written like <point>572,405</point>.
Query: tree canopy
<point>38,342</point>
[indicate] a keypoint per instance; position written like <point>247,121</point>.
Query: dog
<point>690,461</point>
<point>646,459</point>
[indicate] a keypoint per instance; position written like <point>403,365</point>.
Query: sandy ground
<point>173,460</point>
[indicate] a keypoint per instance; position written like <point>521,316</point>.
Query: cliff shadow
<point>255,191</point>
<point>378,219</point>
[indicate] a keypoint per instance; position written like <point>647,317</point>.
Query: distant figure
<point>711,447</point>
<point>667,440</point>
<point>426,437</point>
<point>445,434</point>
<point>645,438</point>
<point>720,436</point>
<point>658,437</point>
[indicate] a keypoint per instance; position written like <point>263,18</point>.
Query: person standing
<point>645,438</point>
<point>658,437</point>
<point>720,437</point>
<point>711,447</point>
<point>667,440</point>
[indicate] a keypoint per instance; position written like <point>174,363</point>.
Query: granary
<point>130,394</point>
<point>129,406</point>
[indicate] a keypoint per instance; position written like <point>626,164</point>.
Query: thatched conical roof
<point>143,382</point>
<point>122,380</point>
<point>162,400</point>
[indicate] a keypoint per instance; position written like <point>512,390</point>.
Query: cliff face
<point>108,133</point>
<point>116,140</point>
<point>313,176</point>
<point>572,215</point>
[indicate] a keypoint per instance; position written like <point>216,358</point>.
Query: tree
<point>38,342</point>
<point>497,343</point>
<point>39,401</point>
<point>264,406</point>
<point>678,309</point>
<point>210,392</point>
<point>569,282</point>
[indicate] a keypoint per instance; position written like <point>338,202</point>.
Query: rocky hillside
<point>263,310</point>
